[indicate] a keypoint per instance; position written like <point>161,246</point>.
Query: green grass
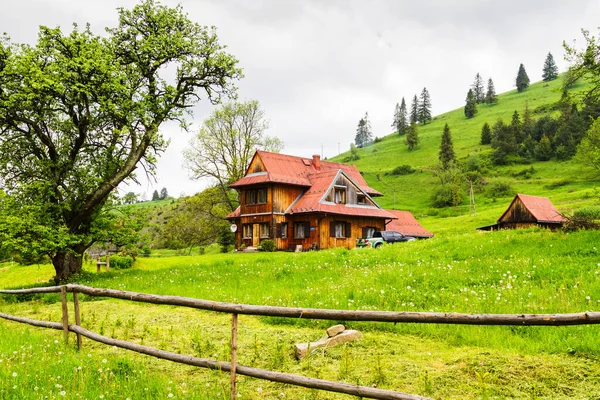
<point>413,192</point>
<point>526,271</point>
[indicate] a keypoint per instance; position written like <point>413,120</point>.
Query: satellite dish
<point>233,228</point>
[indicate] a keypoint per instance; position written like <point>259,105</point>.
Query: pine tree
<point>516,127</point>
<point>414,110</point>
<point>471,106</point>
<point>163,193</point>
<point>478,89</point>
<point>447,156</point>
<point>412,136</point>
<point>490,96</point>
<point>403,123</point>
<point>155,196</point>
<point>550,70</point>
<point>364,135</point>
<point>425,107</point>
<point>396,121</point>
<point>486,134</point>
<point>544,149</point>
<point>522,79</point>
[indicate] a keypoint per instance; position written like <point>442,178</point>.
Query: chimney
<point>316,162</point>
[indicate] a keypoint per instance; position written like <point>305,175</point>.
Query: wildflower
<point>259,389</point>
<point>14,374</point>
<point>104,361</point>
<point>170,395</point>
<point>63,393</point>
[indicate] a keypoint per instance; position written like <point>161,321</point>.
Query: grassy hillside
<point>567,184</point>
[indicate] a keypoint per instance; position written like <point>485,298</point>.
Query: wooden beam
<point>77,317</point>
<point>234,325</point>
<point>65,313</point>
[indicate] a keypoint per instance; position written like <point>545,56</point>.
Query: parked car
<point>379,238</point>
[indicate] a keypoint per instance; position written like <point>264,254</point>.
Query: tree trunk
<point>67,263</point>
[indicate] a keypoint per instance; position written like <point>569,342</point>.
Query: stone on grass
<point>336,329</point>
<point>302,349</point>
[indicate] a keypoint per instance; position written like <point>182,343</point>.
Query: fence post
<point>77,317</point>
<point>234,323</point>
<point>65,313</point>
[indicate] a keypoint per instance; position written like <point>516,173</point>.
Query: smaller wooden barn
<point>407,224</point>
<point>526,211</point>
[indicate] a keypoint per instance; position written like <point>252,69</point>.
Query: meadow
<point>525,271</point>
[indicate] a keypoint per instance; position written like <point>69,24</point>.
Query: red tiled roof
<point>235,214</point>
<point>407,224</point>
<point>541,208</point>
<point>292,170</point>
<point>311,200</point>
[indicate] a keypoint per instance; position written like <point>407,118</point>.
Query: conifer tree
<point>155,196</point>
<point>424,107</point>
<point>486,134</point>
<point>550,70</point>
<point>471,106</point>
<point>364,135</point>
<point>478,90</point>
<point>516,127</point>
<point>396,118</point>
<point>522,79</point>
<point>412,136</point>
<point>447,156</point>
<point>400,115</point>
<point>490,96</point>
<point>544,149</point>
<point>414,110</point>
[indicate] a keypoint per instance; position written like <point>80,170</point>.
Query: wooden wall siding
<point>352,191</point>
<point>518,213</point>
<point>256,208</point>
<point>284,196</point>
<point>256,165</point>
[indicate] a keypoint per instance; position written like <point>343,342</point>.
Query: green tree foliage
<point>424,107</point>
<point>452,189</point>
<point>504,143</point>
<point>353,153</point>
<point>400,123</point>
<point>412,137</point>
<point>164,194</point>
<point>490,95</point>
<point>121,228</point>
<point>471,104</point>
<point>544,149</point>
<point>364,134</point>
<point>522,81</point>
<point>414,110</point>
<point>550,70</point>
<point>477,89</point>
<point>155,196</point>
<point>515,126</point>
<point>588,151</point>
<point>447,156</point>
<point>130,198</point>
<point>80,112</point>
<point>486,134</point>
<point>223,147</point>
<point>226,239</point>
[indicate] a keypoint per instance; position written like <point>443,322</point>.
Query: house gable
<point>517,212</point>
<point>344,190</point>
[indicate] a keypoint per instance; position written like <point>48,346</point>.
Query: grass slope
<point>567,184</point>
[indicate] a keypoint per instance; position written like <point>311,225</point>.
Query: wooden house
<point>408,225</point>
<point>526,211</point>
<point>304,202</point>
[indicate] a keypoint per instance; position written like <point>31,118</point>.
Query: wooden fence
<point>584,318</point>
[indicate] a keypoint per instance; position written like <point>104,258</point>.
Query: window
<point>284,228</point>
<point>340,229</point>
<point>258,196</point>
<point>340,196</point>
<point>361,199</point>
<point>247,231</point>
<point>301,230</point>
<point>264,230</point>
<point>368,232</point>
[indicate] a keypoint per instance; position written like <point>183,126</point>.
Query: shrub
<point>499,189</point>
<point>591,212</point>
<point>268,245</point>
<point>121,262</point>
<point>402,170</point>
<point>146,251</point>
<point>377,139</point>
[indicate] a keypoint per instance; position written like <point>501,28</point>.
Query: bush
<point>402,170</point>
<point>121,262</point>
<point>591,212</point>
<point>146,251</point>
<point>499,189</point>
<point>446,196</point>
<point>268,245</point>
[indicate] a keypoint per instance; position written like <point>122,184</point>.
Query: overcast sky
<point>316,66</point>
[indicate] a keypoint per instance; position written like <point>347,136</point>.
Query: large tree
<point>471,104</point>
<point>446,156</point>
<point>522,81</point>
<point>226,142</point>
<point>490,94</point>
<point>80,112</point>
<point>424,107</point>
<point>412,137</point>
<point>414,110</point>
<point>486,134</point>
<point>550,70</point>
<point>478,90</point>
<point>364,134</point>
<point>400,123</point>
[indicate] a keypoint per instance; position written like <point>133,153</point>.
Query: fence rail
<point>584,318</point>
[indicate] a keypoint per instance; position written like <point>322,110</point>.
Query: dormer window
<point>361,199</point>
<point>340,195</point>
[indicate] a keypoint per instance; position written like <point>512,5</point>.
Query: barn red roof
<point>407,224</point>
<point>292,170</point>
<point>541,208</point>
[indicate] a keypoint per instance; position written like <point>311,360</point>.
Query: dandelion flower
<point>63,393</point>
<point>14,374</point>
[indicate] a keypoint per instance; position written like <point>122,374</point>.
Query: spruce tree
<point>403,120</point>
<point>522,79</point>
<point>414,110</point>
<point>412,136</point>
<point>486,134</point>
<point>490,96</point>
<point>425,107</point>
<point>364,135</point>
<point>396,118</point>
<point>478,90</point>
<point>447,156</point>
<point>155,196</point>
<point>516,127</point>
<point>471,106</point>
<point>550,70</point>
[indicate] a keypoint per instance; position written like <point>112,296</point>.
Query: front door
<point>255,235</point>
